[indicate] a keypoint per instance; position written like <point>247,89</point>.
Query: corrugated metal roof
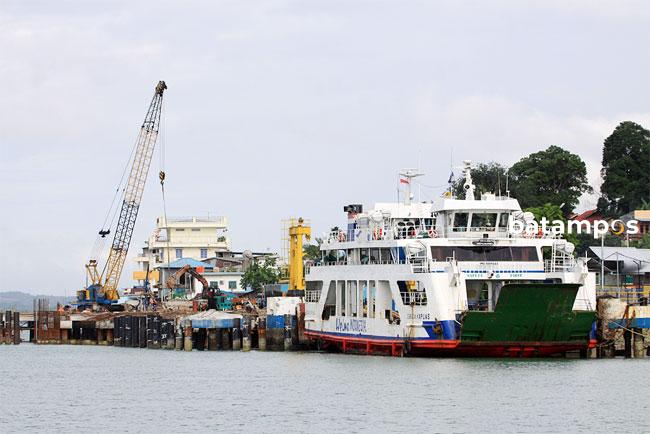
<point>634,260</point>
<point>213,319</point>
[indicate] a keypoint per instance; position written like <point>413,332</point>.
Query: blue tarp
<point>180,263</point>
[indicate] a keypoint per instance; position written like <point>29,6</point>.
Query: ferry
<point>449,277</point>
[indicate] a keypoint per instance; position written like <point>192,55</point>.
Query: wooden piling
<point>639,344</point>
<point>212,339</point>
<point>627,338</point>
<point>236,342</point>
<point>246,340</point>
<point>261,334</point>
<point>179,338</point>
<point>187,338</point>
<point>16,324</point>
<point>225,339</point>
<point>288,340</point>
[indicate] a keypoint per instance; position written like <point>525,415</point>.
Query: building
<point>226,281</point>
<point>591,216</point>
<point>626,271</point>
<point>197,238</point>
<point>643,217</point>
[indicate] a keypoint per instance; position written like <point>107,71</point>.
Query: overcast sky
<point>288,108</point>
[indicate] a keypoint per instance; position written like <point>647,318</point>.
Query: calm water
<point>86,388</point>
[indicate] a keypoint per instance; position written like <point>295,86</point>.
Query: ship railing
<point>559,264</point>
<point>420,264</point>
<point>414,298</point>
<point>312,295</point>
<point>475,232</point>
<point>346,262</point>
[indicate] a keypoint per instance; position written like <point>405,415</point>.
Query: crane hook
<point>161,175</point>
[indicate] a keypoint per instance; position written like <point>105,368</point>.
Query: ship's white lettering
<point>351,325</point>
<point>419,316</point>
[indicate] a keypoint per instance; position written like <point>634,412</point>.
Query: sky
<point>282,109</point>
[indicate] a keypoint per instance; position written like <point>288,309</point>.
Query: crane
<point>208,292</point>
<point>103,286</point>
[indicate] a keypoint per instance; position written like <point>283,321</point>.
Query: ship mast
<point>406,176</point>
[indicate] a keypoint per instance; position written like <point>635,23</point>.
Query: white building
<point>196,238</point>
<point>227,281</point>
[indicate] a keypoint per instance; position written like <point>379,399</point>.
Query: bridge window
<point>460,222</point>
<point>483,222</point>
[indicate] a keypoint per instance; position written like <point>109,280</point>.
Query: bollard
<point>188,338</point>
<point>212,339</point>
<point>639,344</point>
<point>236,342</point>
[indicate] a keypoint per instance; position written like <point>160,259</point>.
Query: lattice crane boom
<point>134,188</point>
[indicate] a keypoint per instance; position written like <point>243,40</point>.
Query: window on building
<point>232,284</point>
<point>179,230</point>
<point>179,253</point>
<point>204,253</point>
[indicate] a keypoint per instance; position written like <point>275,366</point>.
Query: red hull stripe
<point>454,347</point>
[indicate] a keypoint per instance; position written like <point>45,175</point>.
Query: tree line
<point>549,183</point>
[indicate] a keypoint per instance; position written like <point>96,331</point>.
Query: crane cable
<point>162,176</point>
<point>100,241</point>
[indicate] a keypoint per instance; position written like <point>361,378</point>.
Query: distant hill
<point>23,302</point>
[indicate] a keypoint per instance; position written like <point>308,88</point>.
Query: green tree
<point>259,274</point>
<point>312,252</point>
<point>553,176</point>
<point>548,210</point>
<point>553,212</point>
<point>626,169</point>
<point>487,177</point>
<point>643,243</point>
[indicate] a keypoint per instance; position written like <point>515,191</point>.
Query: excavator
<point>210,294</point>
<point>101,289</point>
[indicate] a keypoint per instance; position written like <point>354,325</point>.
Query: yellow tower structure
<point>297,230</point>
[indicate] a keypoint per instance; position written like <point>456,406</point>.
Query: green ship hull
<point>528,320</point>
